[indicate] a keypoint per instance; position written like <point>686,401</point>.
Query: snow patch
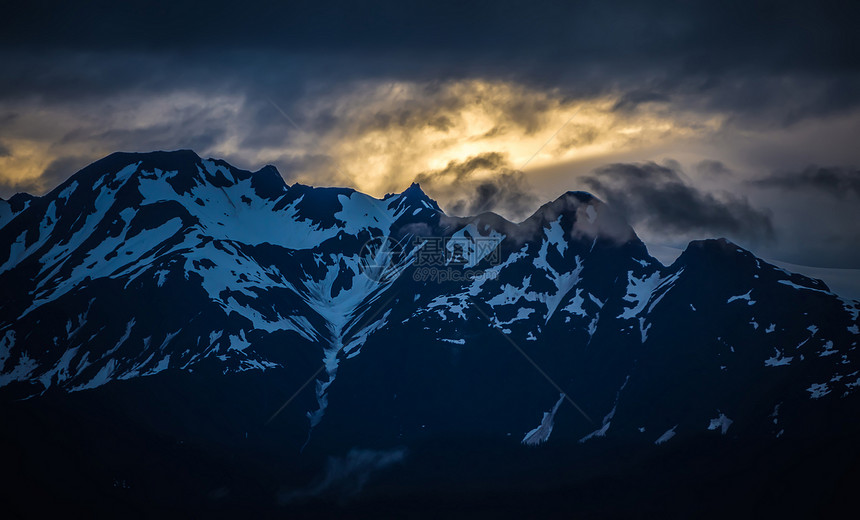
<point>541,434</point>
<point>778,360</point>
<point>743,297</point>
<point>818,390</point>
<point>22,371</point>
<point>828,350</point>
<point>667,435</point>
<point>607,419</point>
<point>721,422</point>
<point>802,287</point>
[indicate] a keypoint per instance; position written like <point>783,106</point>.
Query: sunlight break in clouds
<point>376,136</point>
<point>465,140</point>
<point>384,134</point>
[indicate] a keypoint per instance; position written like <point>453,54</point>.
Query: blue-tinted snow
<point>541,433</point>
<point>667,435</point>
<point>721,422</point>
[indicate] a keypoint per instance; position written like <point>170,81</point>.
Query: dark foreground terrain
<point>125,454</point>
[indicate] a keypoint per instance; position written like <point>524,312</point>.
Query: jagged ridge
<point>146,263</point>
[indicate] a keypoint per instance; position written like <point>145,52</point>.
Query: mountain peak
<point>414,188</point>
<point>589,217</point>
<point>173,160</point>
<point>268,182</point>
<point>414,191</point>
<point>96,173</point>
<point>718,248</point>
<point>412,197</point>
<point>182,169</point>
<point>570,202</point>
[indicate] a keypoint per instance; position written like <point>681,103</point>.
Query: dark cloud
<point>837,181</point>
<point>713,35</point>
<point>789,60</point>
<point>441,123</point>
<point>290,166</point>
<point>489,182</point>
<point>735,68</point>
<point>712,168</point>
<point>186,131</point>
<point>657,198</point>
<point>506,193</point>
<point>462,170</point>
<point>761,99</point>
<point>4,151</point>
<point>634,98</point>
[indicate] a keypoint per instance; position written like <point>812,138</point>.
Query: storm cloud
<point>837,181</point>
<point>657,197</point>
<point>712,168</point>
<point>373,95</point>
<point>482,183</point>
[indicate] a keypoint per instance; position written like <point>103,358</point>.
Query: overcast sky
<point>732,119</point>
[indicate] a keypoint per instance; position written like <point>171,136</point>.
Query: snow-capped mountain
<point>144,271</point>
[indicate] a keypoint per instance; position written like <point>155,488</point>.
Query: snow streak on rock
<point>541,433</point>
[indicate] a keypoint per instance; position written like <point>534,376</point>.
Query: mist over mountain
<point>177,334</point>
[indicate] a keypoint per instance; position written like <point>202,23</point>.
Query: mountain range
<point>180,334</point>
